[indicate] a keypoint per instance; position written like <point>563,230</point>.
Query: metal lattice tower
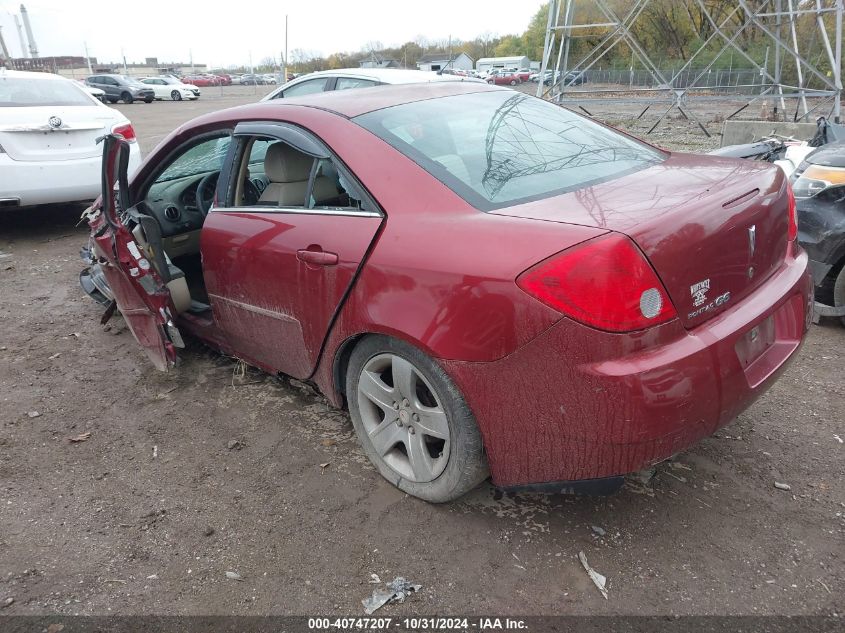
<point>812,89</point>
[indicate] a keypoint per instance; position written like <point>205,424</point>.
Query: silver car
<point>346,78</point>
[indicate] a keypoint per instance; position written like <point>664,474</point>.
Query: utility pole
<point>5,51</point>
<point>88,58</point>
<point>18,26</point>
<point>33,49</point>
<point>252,72</point>
<point>285,58</point>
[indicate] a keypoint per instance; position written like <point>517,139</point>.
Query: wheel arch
<point>336,391</point>
<point>341,363</point>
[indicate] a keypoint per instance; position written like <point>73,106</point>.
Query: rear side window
<point>346,83</point>
<point>19,92</point>
<point>307,87</point>
<point>288,178</point>
<point>498,149</point>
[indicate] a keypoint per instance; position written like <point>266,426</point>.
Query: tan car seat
<point>289,171</point>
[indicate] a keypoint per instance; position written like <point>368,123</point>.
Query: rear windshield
<point>497,149</point>
<point>19,92</point>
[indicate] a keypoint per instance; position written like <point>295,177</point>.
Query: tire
<point>839,291</point>
<point>149,100</point>
<point>513,82</point>
<point>176,95</point>
<point>126,97</point>
<point>111,99</point>
<point>447,468</point>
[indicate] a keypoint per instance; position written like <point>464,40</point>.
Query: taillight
<point>605,283</point>
<point>126,131</point>
<point>793,214</point>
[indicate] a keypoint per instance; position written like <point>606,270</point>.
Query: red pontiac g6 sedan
<point>491,283</point>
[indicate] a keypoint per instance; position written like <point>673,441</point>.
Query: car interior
<point>272,176</point>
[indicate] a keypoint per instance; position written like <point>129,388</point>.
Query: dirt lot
<point>188,475</point>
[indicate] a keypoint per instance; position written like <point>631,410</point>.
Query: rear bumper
<point>48,182</point>
<point>576,403</point>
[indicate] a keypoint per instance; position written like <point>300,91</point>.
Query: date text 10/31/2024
<point>416,624</point>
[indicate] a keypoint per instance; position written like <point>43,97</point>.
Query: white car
<point>345,78</point>
<point>99,95</point>
<point>49,128</point>
<point>171,88</point>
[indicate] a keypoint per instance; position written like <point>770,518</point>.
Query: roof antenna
<point>448,63</point>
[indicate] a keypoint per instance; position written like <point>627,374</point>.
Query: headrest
<point>282,163</point>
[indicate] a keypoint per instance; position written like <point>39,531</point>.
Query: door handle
<point>320,258</point>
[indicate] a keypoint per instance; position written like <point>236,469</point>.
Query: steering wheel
<point>208,185</point>
<point>205,192</point>
<point>251,193</point>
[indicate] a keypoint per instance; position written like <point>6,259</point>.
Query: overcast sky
<point>220,33</point>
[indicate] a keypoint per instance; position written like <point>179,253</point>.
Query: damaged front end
<point>92,279</point>
<point>121,271</point>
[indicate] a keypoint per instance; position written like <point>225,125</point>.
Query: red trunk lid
<point>714,229</point>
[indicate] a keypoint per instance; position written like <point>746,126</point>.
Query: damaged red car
<point>492,284</point>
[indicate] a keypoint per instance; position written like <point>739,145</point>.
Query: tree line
<point>670,31</point>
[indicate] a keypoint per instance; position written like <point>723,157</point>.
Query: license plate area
<point>753,344</point>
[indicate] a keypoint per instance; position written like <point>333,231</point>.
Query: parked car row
<point>572,78</point>
<point>128,89</point>
<point>246,79</point>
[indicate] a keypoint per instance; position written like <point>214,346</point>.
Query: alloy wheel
<point>403,417</point>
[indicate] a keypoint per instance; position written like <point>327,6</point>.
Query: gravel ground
<point>183,477</point>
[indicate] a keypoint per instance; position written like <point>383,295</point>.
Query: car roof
<point>389,76</point>
<point>383,75</point>
<point>351,103</point>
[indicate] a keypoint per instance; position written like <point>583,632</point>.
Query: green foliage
<point>671,31</point>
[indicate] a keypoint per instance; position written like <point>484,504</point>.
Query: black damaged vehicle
<point>819,187</point>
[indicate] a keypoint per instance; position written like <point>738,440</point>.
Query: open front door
<point>130,263</point>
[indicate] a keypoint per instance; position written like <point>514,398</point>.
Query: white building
<point>489,63</point>
<point>440,61</point>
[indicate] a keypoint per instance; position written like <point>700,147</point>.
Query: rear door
<point>277,269</point>
<point>139,292</point>
<point>110,86</point>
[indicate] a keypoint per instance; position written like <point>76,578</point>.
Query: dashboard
<point>174,205</point>
<point>174,202</point>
